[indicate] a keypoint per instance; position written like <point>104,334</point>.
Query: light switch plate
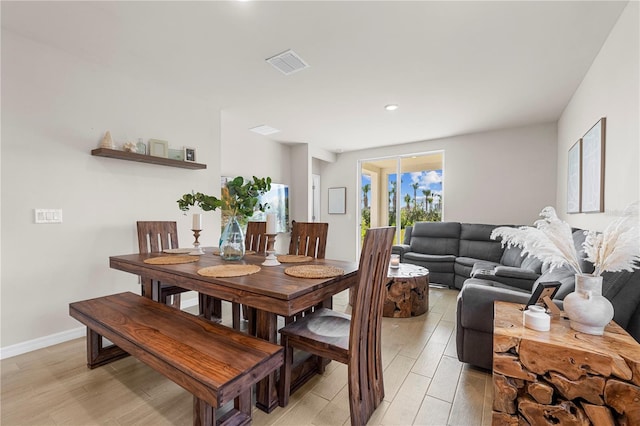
<point>48,215</point>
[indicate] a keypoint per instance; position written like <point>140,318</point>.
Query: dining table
<point>270,290</point>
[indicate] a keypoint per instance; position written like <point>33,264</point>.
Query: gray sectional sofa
<point>485,272</point>
<point>453,252</point>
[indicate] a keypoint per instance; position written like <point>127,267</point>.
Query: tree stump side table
<point>406,293</point>
<point>562,376</point>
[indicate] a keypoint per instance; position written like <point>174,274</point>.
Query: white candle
<point>395,261</point>
<point>197,222</point>
<point>271,223</point>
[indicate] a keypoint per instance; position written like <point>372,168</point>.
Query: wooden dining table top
<point>270,289</point>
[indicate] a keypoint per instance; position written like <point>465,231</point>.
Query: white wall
<point>610,89</point>
<point>499,177</point>
<point>55,109</point>
<point>244,153</point>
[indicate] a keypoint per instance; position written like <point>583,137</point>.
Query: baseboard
<point>63,336</point>
<point>42,342</point>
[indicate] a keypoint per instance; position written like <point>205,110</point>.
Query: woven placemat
<point>314,271</point>
<point>294,258</point>
<point>171,260</point>
<point>226,271</point>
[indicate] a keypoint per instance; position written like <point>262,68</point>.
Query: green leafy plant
<point>239,197</point>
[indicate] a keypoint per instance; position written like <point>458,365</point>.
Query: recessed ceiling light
<point>264,130</point>
<point>391,107</point>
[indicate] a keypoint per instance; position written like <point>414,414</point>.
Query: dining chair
<point>156,236</point>
<point>254,240</point>
<point>309,239</point>
<point>349,339</point>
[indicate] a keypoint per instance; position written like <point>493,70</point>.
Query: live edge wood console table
<point>562,376</point>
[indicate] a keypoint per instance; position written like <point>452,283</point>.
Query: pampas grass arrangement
<point>617,248</point>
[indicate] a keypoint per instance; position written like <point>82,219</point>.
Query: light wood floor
<point>425,384</point>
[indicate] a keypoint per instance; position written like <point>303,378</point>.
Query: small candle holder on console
<point>271,259</point>
<point>197,250</point>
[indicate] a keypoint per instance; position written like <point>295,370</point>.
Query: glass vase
<point>232,241</point>
<point>588,310</point>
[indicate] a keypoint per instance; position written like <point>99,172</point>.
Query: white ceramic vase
<point>588,310</point>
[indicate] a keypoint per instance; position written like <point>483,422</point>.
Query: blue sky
<point>428,179</point>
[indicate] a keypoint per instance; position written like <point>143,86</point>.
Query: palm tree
<point>365,189</point>
<point>407,199</point>
<point>415,197</point>
<point>427,194</point>
<point>392,193</point>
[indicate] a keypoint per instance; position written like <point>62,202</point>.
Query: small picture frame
<point>158,148</point>
<point>544,290</point>
<point>189,154</point>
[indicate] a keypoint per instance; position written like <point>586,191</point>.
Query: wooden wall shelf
<point>141,158</point>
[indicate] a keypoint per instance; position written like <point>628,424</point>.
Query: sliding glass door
<point>399,191</point>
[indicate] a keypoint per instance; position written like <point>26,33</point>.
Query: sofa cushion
<point>512,256</point>
<point>510,271</point>
<point>440,238</point>
<point>623,291</point>
<point>533,264</point>
<point>475,242</point>
<point>467,261</point>
<point>429,257</point>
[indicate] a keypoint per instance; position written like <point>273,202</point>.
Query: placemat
<point>314,271</point>
<point>294,258</point>
<point>179,250</point>
<point>171,260</point>
<point>226,271</point>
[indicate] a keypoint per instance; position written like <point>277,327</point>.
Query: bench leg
<point>203,413</point>
<point>97,354</point>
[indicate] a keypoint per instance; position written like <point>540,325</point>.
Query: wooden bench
<point>214,363</point>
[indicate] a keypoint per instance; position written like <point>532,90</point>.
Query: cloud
<point>429,178</point>
<point>416,177</point>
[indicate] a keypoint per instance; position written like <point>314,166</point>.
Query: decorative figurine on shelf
<point>107,142</point>
<point>240,200</point>
<point>129,147</point>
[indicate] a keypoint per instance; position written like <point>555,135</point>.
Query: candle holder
<point>271,259</point>
<point>197,250</point>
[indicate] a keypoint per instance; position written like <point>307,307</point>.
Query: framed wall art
<point>338,200</point>
<point>592,168</point>
<point>574,178</point>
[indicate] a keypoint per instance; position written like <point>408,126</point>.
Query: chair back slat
<point>255,238</point>
<point>309,239</point>
<point>366,323</point>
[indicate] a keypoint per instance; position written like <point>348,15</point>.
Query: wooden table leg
<point>267,389</point>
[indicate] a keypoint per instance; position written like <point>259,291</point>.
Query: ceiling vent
<point>288,62</point>
<point>264,130</point>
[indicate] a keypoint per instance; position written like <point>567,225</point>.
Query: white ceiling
<point>453,67</point>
